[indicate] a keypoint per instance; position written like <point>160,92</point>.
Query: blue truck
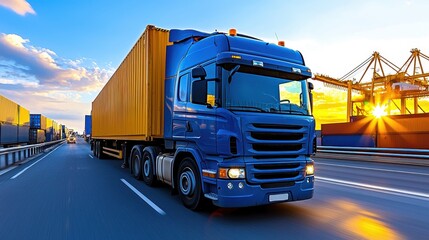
<point>220,117</point>
<point>88,128</point>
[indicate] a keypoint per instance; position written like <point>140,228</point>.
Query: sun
<point>379,111</point>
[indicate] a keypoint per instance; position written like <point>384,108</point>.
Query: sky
<point>55,56</point>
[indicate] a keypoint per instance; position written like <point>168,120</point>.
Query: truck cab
<point>241,109</point>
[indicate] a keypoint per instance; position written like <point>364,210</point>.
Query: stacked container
<point>37,128</point>
<point>396,131</point>
<point>14,123</point>
<point>49,130</point>
<point>404,131</point>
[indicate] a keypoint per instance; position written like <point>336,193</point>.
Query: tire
<point>94,149</point>
<point>100,150</point>
<point>189,185</point>
<point>148,163</point>
<point>136,162</point>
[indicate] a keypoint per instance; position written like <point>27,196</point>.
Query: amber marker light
<point>233,32</point>
<point>223,173</point>
<point>281,43</point>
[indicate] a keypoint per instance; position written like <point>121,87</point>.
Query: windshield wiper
<point>246,107</point>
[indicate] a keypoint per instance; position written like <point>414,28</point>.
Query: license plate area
<point>278,197</point>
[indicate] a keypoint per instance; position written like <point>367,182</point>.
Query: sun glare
<point>379,111</point>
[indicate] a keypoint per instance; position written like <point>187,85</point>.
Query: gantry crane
<point>408,81</point>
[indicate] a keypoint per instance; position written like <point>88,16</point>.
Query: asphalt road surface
<point>68,194</point>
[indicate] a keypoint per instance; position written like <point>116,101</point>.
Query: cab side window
<point>183,88</point>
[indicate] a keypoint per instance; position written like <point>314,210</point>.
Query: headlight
<point>309,170</point>
<point>232,173</point>
<point>236,173</point>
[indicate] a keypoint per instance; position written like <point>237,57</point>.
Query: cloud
<point>22,7</point>
<point>47,68</point>
<point>43,82</point>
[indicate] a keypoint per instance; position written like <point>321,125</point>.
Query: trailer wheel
<point>148,161</point>
<point>189,185</point>
<point>93,149</point>
<point>99,150</point>
<point>136,162</point>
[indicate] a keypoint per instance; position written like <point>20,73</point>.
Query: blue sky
<point>55,56</point>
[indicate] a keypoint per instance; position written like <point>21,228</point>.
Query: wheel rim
<point>136,165</point>
<point>187,182</point>
<point>146,167</point>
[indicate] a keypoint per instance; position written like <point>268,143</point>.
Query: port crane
<point>409,81</point>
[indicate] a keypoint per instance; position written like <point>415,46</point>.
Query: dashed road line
<point>143,197</point>
<point>25,169</point>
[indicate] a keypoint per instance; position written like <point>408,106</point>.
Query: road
<point>68,194</point>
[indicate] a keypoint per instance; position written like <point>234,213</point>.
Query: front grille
<point>279,139</point>
<point>277,136</point>
<point>275,172</point>
<point>276,175</point>
<point>277,126</point>
<point>277,185</point>
<point>276,166</point>
<point>265,147</point>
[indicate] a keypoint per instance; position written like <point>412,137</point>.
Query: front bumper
<point>254,195</point>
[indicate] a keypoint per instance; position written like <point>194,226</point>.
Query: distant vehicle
<point>219,117</point>
<point>71,139</point>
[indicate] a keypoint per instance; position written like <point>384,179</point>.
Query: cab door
<point>201,117</point>
<point>179,112</point>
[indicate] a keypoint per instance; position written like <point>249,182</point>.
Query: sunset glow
<point>379,111</point>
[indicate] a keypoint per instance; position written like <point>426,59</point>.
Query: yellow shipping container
<point>49,123</point>
<point>131,104</point>
<point>24,116</point>
<point>8,111</point>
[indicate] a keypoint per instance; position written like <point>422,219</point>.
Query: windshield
<point>258,90</point>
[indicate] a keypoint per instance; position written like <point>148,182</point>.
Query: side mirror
<point>199,72</point>
<point>199,91</point>
<point>310,86</point>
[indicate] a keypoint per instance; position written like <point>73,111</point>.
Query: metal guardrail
<point>12,155</point>
<point>385,152</point>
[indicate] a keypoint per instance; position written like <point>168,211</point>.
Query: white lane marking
<point>25,169</point>
<point>374,169</point>
<point>393,191</point>
<point>7,170</point>
<point>90,156</point>
<point>147,200</point>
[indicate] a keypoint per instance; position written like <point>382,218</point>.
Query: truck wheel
<point>136,162</point>
<point>149,156</point>
<point>189,185</point>
<point>99,147</point>
<point>94,152</point>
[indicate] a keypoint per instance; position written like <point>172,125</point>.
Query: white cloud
<point>21,7</point>
<point>41,81</point>
<point>50,70</point>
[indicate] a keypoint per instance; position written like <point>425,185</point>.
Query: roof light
<point>233,32</point>
<point>258,63</point>
<point>296,70</point>
<point>281,43</point>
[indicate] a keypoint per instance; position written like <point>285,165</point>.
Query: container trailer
<point>219,117</point>
<point>14,123</point>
